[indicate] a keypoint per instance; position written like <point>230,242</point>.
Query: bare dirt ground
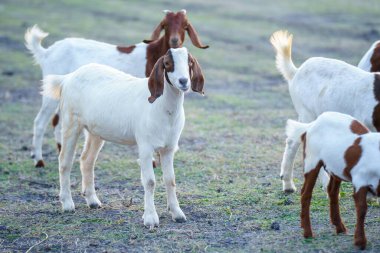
<point>227,168</point>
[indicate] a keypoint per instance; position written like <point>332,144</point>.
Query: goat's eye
<point>166,63</point>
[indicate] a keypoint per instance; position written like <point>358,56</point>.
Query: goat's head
<point>177,68</point>
<point>175,25</point>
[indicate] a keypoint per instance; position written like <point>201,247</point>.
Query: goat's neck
<point>155,50</point>
<point>171,100</point>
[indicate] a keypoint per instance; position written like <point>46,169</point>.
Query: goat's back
<point>67,55</point>
<point>323,84</point>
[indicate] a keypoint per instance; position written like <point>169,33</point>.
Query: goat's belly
<point>113,134</point>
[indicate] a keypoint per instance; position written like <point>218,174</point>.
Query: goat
<point>113,106</point>
<point>371,59</point>
<point>346,149</point>
<point>69,54</point>
<point>320,85</point>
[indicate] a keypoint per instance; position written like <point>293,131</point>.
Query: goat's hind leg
<point>311,176</point>
<point>360,198</point>
<point>287,165</point>
<point>48,107</point>
<point>92,147</point>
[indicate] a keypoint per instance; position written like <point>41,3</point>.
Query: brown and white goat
<point>347,151</point>
<point>371,59</point>
<point>67,55</point>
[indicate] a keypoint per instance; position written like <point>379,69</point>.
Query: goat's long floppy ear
<point>156,80</point>
<point>197,78</point>
<point>194,37</point>
<point>157,31</point>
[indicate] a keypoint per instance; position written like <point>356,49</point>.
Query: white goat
<point>348,152</point>
<point>113,106</point>
<point>371,59</point>
<point>67,55</point>
<point>320,85</point>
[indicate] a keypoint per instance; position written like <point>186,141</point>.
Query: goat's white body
<point>365,62</point>
<point>320,85</point>
<point>67,55</point>
<point>113,106</point>
<point>128,117</point>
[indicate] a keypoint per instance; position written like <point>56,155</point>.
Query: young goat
<point>371,59</point>
<point>114,106</point>
<point>348,152</point>
<point>67,55</point>
<point>320,85</point>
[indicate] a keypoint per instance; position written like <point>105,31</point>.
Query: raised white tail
<point>282,42</point>
<point>52,86</point>
<point>33,38</point>
<point>295,129</point>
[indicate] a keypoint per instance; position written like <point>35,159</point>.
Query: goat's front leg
<point>333,191</point>
<point>167,157</point>
<point>93,145</point>
<point>66,159</point>
<point>360,198</point>
<point>287,165</point>
<point>148,180</point>
<point>57,131</point>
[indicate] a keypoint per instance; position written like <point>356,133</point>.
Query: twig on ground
<point>38,243</point>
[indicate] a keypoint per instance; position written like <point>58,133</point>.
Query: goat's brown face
<point>175,25</point>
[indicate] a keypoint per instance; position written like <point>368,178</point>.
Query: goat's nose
<point>174,40</point>
<point>183,81</point>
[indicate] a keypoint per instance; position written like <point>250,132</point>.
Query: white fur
<point>67,55</point>
<point>113,106</point>
<point>320,85</point>
<point>365,62</point>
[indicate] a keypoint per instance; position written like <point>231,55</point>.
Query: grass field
<point>227,168</point>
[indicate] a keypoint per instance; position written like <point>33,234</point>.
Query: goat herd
<point>135,95</point>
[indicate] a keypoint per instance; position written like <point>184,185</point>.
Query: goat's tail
<point>295,129</point>
<point>282,42</point>
<point>33,38</point>
<point>52,86</point>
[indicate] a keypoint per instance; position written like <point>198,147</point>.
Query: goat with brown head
<point>175,25</point>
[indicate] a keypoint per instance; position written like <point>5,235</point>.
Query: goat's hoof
<point>341,229</point>
<point>95,205</point>
<point>151,220</point>
<point>180,219</point>
<point>289,191</point>
<point>361,243</point>
<point>68,206</point>
<point>40,164</point>
<point>308,234</point>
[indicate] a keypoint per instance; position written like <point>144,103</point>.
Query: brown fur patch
<point>126,50</point>
<point>352,157</point>
<point>59,147</point>
<point>55,120</point>
<point>333,191</point>
<point>303,139</point>
<point>375,59</point>
<point>358,128</point>
<point>360,198</point>
<point>376,110</point>
<point>306,194</point>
